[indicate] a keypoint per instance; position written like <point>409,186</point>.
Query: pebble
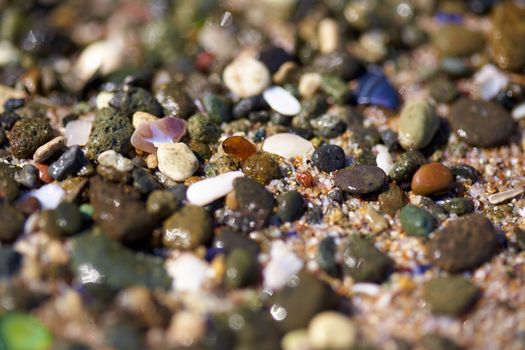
<point>490,81</point>
<point>37,336</point>
<point>227,241</point>
<point>130,99</point>
<point>416,221</point>
<point>508,31</point>
<point>177,161</point>
<point>27,176</point>
<point>501,197</point>
<point>187,228</point>
<point>459,206</point>
<point>111,130</point>
<point>437,211</point>
<point>284,264</point>
<point>375,220</point>
<point>49,195</point>
<point>328,125</point>
<point>392,199</point>
<point>10,261</point>
<point>374,88</point>
<point>219,108</point>
<point>457,40</point>
<point>291,206</point>
<point>175,100</point>
<point>288,145</point>
<point>221,165</point>
<point>328,35</point>
<point>27,135</point>
<point>104,56</point>
<point>48,149</point>
<point>326,256</point>
<point>360,179</point>
<point>518,112</point>
<point>12,223</point>
<point>337,63</point>
<point>115,160</point>
<point>432,178</point>
<point>210,189</point>
<point>274,58</point>
<point>162,203</point>
<point>309,84</point>
<point>435,341</point>
<point>188,272</point>
<point>238,147</point>
<point>148,136</point>
<point>332,330</point>
<point>261,167</point>
<point>296,340</point>
<point>77,132</point>
<point>246,76</point>
<point>465,172</point>
<point>417,125</point>
<point>481,123</point>
<point>67,164</point>
<point>383,158</point>
<point>242,269</point>
<point>103,99</point>
<point>453,295</point>
<point>142,117</point>
<point>364,262</point>
<point>443,90</point>
<point>329,158</point>
<point>282,101</point>
<point>202,128</point>
<point>463,244</point>
<point>253,197</point>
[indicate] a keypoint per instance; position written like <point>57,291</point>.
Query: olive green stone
<point>450,295</point>
<point>507,35</point>
<point>364,262</point>
<point>417,124</point>
<point>335,87</point>
<point>366,158</point>
<point>392,199</point>
<point>12,223</point>
<point>437,211</point>
<point>416,221</point>
<point>406,165</point>
<point>326,256</point>
<point>65,220</point>
<point>131,99</point>
<point>20,331</point>
<point>188,228</point>
<point>112,130</point>
<point>433,341</point>
<point>328,125</point>
<point>9,188</point>
<point>459,206</point>
<point>443,90</point>
<point>202,128</point>
<point>201,150</point>
<point>162,203</point>
<point>291,206</point>
<point>27,135</point>
<point>218,107</point>
<point>242,269</point>
<point>457,40</point>
<point>175,100</point>
<point>221,165</point>
<point>262,167</point>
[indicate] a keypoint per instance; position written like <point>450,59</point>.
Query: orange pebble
<point>238,147</point>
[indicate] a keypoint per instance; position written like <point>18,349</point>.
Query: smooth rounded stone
<point>221,165</point>
<point>77,132</point>
<point>463,244</point>
<point>35,335</point>
<point>417,124</point>
<point>384,158</point>
<point>187,228</point>
<point>63,221</point>
<point>459,206</point>
<point>328,125</point>
<point>246,76</point>
<point>465,172</point>
<point>326,256</point>
<point>360,179</point>
<point>328,35</point>
<point>162,203</point>
<point>142,117</point>
<point>12,221</point>
<point>242,269</point>
<point>290,206</point>
<point>457,40</point>
<point>309,84</point>
<point>203,129</point>
<point>416,221</point>
<point>115,160</point>
<point>27,135</point>
<point>452,295</point>
<point>392,199</point>
<point>288,145</point>
<point>27,176</point>
<point>131,99</point>
<point>434,341</point>
<point>406,165</point>
<point>261,167</point>
<point>364,262</point>
<point>210,189</point>
<point>437,211</point>
<point>227,241</point>
<point>481,123</point>
<point>10,262</point>
<point>332,330</point>
<point>177,161</point>
<point>329,158</point>
<point>501,197</point>
<point>507,35</point>
<point>432,178</point>
<point>9,188</point>
<point>148,136</point>
<point>175,101</point>
<point>49,149</point>
<point>282,101</point>
<point>442,90</point>
<point>253,197</point>
<point>67,164</point>
<point>111,130</point>
<point>238,147</point>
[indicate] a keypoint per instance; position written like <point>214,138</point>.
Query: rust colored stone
<point>432,178</point>
<point>238,147</point>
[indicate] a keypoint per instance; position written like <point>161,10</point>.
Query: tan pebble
<point>48,149</point>
<point>103,99</point>
<point>309,84</point>
<point>177,161</point>
<point>500,197</point>
<point>57,253</point>
<point>218,268</point>
<point>152,161</point>
<point>332,330</point>
<point>191,180</point>
<point>296,340</point>
<point>142,117</point>
<point>185,329</point>
<point>231,201</point>
<point>328,34</point>
<point>375,220</point>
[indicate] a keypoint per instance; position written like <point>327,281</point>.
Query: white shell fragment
<point>519,112</point>
<point>246,76</point>
<point>384,159</point>
<point>490,81</point>
<point>188,272</point>
<point>282,101</point>
<point>288,145</point>
<point>501,197</point>
<point>283,264</point>
<point>206,191</point>
<point>77,132</point>
<point>177,161</point>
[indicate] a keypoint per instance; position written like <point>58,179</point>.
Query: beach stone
<point>507,36</point>
<point>465,171</point>
<point>392,199</point>
<point>27,135</point>
<point>246,76</point>
<point>36,335</point>
<point>288,145</point>
<point>480,123</point>
<point>376,221</point>
<point>162,203</point>
<point>432,178</point>
<point>459,206</point>
<point>252,197</point>
<point>337,63</point>
<point>282,101</point>
<point>219,108</point>
<point>416,221</point>
<point>221,165</point>
<point>453,295</point>
<point>242,269</point>
<point>117,161</point>
<point>238,147</point>
<point>177,161</point>
<point>10,261</point>
<point>27,176</point>
<point>210,189</point>
<point>437,211</point>
<point>434,341</point>
<point>142,117</point>
<point>326,256</point>
<point>457,40</point>
<point>406,165</point>
<point>290,206</point>
<point>131,99</point>
<point>360,179</point>
<point>68,164</point>
<point>202,128</point>
<point>332,330</point>
<point>463,244</point>
<point>417,125</point>
<point>187,228</point>
<point>329,158</point>
<point>12,221</point>
<point>328,125</point>
<point>443,90</point>
<point>228,241</point>
<point>261,167</point>
<point>48,149</point>
<point>174,100</point>
<point>144,181</point>
<point>364,262</point>
<point>111,130</point>
<point>63,221</point>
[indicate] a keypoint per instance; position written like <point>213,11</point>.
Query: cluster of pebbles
<point>290,175</point>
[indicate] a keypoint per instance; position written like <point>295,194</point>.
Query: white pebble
<point>309,84</point>
<point>501,197</point>
<point>519,112</point>
<point>115,160</point>
<point>104,56</point>
<point>490,81</point>
<point>331,330</point>
<point>8,53</point>
<point>328,34</point>
<point>282,101</point>
<point>246,76</point>
<point>206,191</point>
<point>283,264</point>
<point>77,132</point>
<point>49,195</point>
<point>176,161</point>
<point>103,99</point>
<point>188,272</point>
<point>383,158</point>
<point>288,145</point>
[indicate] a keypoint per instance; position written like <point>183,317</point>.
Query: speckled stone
<point>202,128</point>
<point>406,165</point>
<point>27,135</point>
<point>360,179</point>
<point>416,221</point>
<point>329,158</point>
<point>253,197</point>
<point>452,295</point>
<point>459,206</point>
<point>432,178</point>
<point>261,167</point>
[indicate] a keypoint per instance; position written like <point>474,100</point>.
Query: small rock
<point>228,241</point>
<point>242,269</point>
<point>437,211</point>
<point>364,262</point>
<point>188,272</point>
<point>219,108</point>
<point>375,89</point>
<point>416,221</point>
<point>490,81</point>
<point>177,161</point>
<point>12,223</point>
<point>238,147</point>
<point>175,101</point>
<point>452,295</point>
<point>417,125</point>
<point>221,165</point>
<point>332,330</point>
<point>375,220</point>
<point>27,176</point>
<point>162,204</point>
<point>465,171</point>
<point>328,125</point>
<point>210,189</point>
<point>501,197</point>
<point>288,145</point>
<point>405,167</point>
<point>49,195</point>
<point>10,262</point>
<point>77,132</point>
<point>329,158</point>
<point>117,161</point>
<point>49,149</point>
<point>131,99</point>
<point>274,58</point>
<point>309,84</point>
<point>443,90</point>
<point>326,257</point>
<point>246,76</point>
<point>261,167</point>
<point>142,117</point>
<point>290,206</point>
<point>383,158</point>
<point>68,164</point>
<point>392,199</point>
<point>432,178</point>
<point>508,31</point>
<point>457,40</point>
<point>63,221</point>
<point>459,206</point>
<point>27,135</point>
<point>253,197</point>
<point>296,340</point>
<point>188,228</point>
<point>337,63</point>
<point>203,129</point>
<point>144,181</point>
<point>111,130</point>
<point>12,324</point>
<point>433,341</point>
<point>282,101</point>
<point>360,179</point>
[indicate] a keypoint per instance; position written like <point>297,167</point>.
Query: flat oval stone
<point>481,123</point>
<point>208,190</point>
<point>48,149</point>
<point>451,295</point>
<point>417,125</point>
<point>432,178</point>
<point>360,179</point>
<point>177,161</point>
<point>416,221</point>
<point>463,244</point>
<point>288,145</point>
<point>282,101</point>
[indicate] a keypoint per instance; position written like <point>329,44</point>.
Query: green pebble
<point>27,134</point>
<point>457,40</point>
<point>201,150</point>
<point>262,167</point>
<point>364,262</point>
<point>416,221</point>
<point>450,295</point>
<point>291,206</point>
<point>188,228</point>
<point>326,256</point>
<point>242,269</point>
<point>112,130</point>
<point>221,165</point>
<point>12,223</point>
<point>406,165</point>
<point>443,90</point>
<point>87,210</point>
<point>459,206</point>
<point>202,128</point>
<point>218,107</point>
<point>131,99</point>
<point>417,124</point>
<point>20,331</point>
<point>366,158</point>
<point>65,220</point>
<point>161,203</point>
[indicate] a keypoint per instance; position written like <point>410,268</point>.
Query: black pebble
<point>274,58</point>
<point>69,163</point>
<point>329,158</point>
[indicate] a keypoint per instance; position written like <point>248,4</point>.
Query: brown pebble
<point>238,147</point>
<point>231,201</point>
<point>432,178</point>
<point>48,149</point>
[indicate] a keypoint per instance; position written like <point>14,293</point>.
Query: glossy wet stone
<point>246,76</point>
<point>457,40</point>
<point>360,179</point>
<point>459,206</point>
<point>326,256</point>
<point>392,199</point>
<point>187,228</point>
<point>261,167</point>
<point>227,241</point>
<point>27,176</point>
<point>417,125</point>
<point>238,147</point>
<point>328,125</point>
<point>329,158</point>
<point>177,161</point>
<point>174,100</point>
<point>465,172</point>
<point>9,188</point>
<point>253,197</point>
<point>416,221</point>
<point>27,135</point>
<point>35,335</point>
<point>112,130</point>
<point>68,164</point>
<point>290,206</point>
<point>480,123</point>
<point>406,165</point>
<point>242,269</point>
<point>364,262</point>
<point>463,244</point>
<point>452,295</point>
<point>12,223</point>
<point>131,99</point>
<point>375,89</point>
<point>219,108</point>
<point>432,178</point>
<point>506,36</point>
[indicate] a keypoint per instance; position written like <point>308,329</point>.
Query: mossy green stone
<point>262,167</point>
<point>112,130</point>
<point>457,40</point>
<point>131,99</point>
<point>364,262</point>
<point>27,134</point>
<point>416,221</point>
<point>242,269</point>
<point>406,165</point>
<point>20,331</point>
<point>188,228</point>
<point>12,223</point>
<point>221,165</point>
<point>459,206</point>
<point>218,107</point>
<point>450,295</point>
<point>326,253</point>
<point>9,188</point>
<point>202,128</point>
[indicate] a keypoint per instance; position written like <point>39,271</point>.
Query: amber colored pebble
<point>238,147</point>
<point>43,173</point>
<point>28,206</point>
<point>305,179</point>
<point>432,178</point>
<point>231,201</point>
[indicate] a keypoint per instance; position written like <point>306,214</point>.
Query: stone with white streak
<point>246,76</point>
<point>177,161</point>
<point>282,101</point>
<point>208,190</point>
<point>288,145</point>
<point>283,264</point>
